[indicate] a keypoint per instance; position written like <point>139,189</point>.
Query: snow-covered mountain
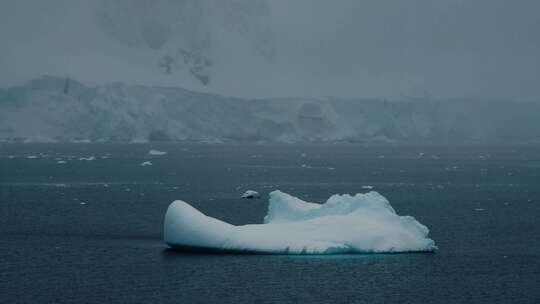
<point>194,44</point>
<point>160,70</point>
<point>60,109</point>
<point>279,48</point>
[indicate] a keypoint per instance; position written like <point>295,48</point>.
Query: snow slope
<point>59,109</point>
<point>363,223</point>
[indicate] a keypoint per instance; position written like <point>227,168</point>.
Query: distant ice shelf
<point>363,223</point>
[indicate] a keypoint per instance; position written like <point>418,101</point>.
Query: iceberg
<point>363,223</point>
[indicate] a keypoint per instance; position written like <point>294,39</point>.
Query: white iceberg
<point>156,152</point>
<point>146,163</point>
<point>364,223</point>
<point>251,194</point>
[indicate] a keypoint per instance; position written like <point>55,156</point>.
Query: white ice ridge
<point>363,223</point>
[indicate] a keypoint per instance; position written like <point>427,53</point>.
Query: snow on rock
<point>363,223</point>
<point>251,194</point>
<point>156,152</point>
<point>146,163</point>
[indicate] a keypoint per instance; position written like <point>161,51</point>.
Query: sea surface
<point>82,223</point>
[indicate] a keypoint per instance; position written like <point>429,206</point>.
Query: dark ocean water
<point>89,231</point>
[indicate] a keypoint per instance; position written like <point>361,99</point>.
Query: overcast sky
<point>476,47</point>
<point>449,48</point>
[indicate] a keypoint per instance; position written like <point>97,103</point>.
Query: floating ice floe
<point>251,194</point>
<point>90,158</point>
<point>82,141</point>
<point>367,187</point>
<point>61,162</point>
<point>146,163</point>
<point>156,152</point>
<point>139,141</point>
<point>363,223</point>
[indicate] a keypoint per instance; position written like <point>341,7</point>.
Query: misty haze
<point>269,151</point>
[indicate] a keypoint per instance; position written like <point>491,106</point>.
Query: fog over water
<point>308,48</point>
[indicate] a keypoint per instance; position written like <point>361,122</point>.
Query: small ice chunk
<point>146,163</point>
<point>251,194</point>
<point>479,209</point>
<point>90,158</point>
<point>139,141</point>
<point>61,162</point>
<point>156,152</point>
<point>31,157</point>
<point>82,203</point>
<point>367,187</point>
<point>82,141</point>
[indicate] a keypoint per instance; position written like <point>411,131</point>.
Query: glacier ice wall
<point>59,109</point>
